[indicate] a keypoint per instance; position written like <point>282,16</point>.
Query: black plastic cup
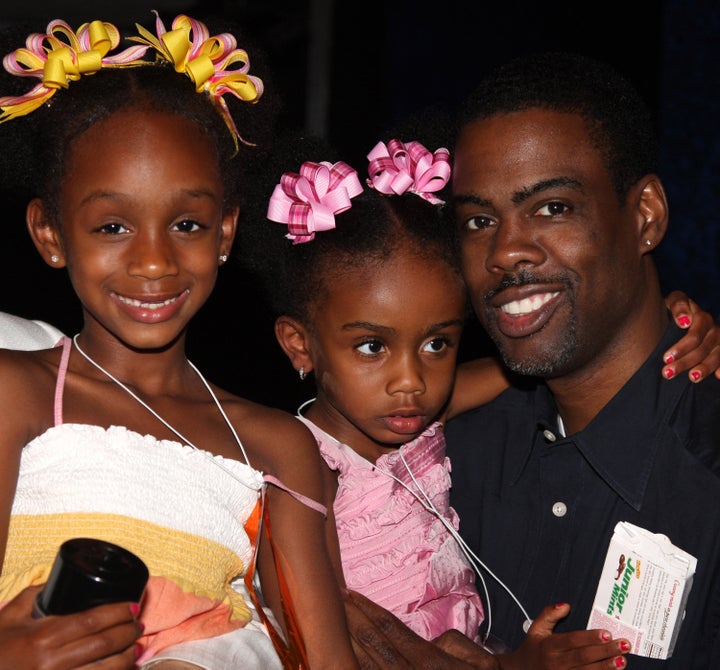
<point>89,572</point>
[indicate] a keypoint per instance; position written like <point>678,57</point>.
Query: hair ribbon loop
<point>307,202</point>
<point>61,56</point>
<point>397,167</point>
<point>210,62</point>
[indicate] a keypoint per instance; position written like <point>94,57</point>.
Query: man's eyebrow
<point>521,196</point>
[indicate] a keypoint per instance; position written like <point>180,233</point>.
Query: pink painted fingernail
<point>134,609</point>
<point>606,636</point>
<point>696,375</point>
<point>625,645</point>
<point>559,605</point>
<point>619,662</point>
<point>669,373</point>
<point>670,358</point>
<point>683,321</point>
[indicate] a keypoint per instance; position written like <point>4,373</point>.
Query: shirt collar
<point>621,443</point>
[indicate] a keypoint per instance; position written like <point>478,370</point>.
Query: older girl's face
<point>142,224</point>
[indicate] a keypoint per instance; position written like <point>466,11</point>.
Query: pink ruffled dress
<point>395,551</point>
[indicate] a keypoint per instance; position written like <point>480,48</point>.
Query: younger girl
<point>116,435</point>
<point>371,300</point>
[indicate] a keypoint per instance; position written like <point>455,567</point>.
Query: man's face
<point>549,254</point>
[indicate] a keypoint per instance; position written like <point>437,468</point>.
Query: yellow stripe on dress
<point>198,566</point>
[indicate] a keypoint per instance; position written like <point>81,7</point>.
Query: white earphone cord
<point>474,560</point>
<point>182,438</point>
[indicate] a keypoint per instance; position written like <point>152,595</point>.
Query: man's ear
<point>44,234</point>
<point>653,213</point>
<point>294,339</point>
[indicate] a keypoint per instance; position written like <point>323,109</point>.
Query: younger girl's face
<point>142,224</point>
<point>384,347</point>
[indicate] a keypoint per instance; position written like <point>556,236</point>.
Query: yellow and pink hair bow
<point>61,56</point>
<point>397,167</point>
<point>307,202</point>
<point>214,64</point>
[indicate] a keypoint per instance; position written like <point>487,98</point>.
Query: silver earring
<point>302,374</point>
<point>54,258</point>
<point>648,242</point>
<point>223,258</point>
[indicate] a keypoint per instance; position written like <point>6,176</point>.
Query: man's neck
<point>582,394</point>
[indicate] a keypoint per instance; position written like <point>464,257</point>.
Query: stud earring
<point>648,242</point>
<point>54,258</point>
<point>302,374</point>
<point>223,258</point>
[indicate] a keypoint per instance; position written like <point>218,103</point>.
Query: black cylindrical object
<point>89,572</point>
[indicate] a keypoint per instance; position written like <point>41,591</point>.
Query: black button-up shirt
<point>539,509</point>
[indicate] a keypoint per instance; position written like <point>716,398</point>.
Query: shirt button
<point>559,509</point>
<point>549,435</point>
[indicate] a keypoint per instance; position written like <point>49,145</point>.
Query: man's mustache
<point>523,277</point>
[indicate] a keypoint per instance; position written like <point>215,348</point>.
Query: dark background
<point>350,71</point>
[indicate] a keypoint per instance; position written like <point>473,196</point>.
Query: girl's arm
<point>301,548</point>
<point>477,382</point>
<point>543,649</point>
<point>70,641</point>
<point>17,400</point>
<point>330,480</point>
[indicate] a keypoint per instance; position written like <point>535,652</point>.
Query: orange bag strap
<point>292,653</point>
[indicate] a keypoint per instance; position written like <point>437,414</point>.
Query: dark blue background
<point>351,71</point>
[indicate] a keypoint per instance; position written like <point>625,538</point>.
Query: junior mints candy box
<point>642,590</point>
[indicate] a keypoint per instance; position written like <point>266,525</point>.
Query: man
<point>558,207</point>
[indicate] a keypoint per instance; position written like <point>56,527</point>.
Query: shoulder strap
<point>308,502</point>
<point>60,382</point>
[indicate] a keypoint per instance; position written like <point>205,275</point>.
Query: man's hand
<point>380,640</point>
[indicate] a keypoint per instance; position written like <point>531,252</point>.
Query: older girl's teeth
<point>145,305</point>
<point>527,305</point>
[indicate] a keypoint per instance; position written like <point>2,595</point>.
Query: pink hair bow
<point>307,202</point>
<point>397,168</point>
